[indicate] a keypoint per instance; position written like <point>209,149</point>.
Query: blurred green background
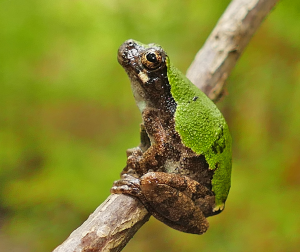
<point>67,116</point>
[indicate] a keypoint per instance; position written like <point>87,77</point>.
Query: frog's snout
<point>127,52</point>
<point>121,54</point>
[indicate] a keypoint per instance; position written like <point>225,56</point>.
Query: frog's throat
<point>138,96</point>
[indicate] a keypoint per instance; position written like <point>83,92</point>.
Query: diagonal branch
<point>117,219</point>
<point>215,60</point>
<point>109,228</point>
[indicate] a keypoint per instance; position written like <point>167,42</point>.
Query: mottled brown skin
<point>172,181</point>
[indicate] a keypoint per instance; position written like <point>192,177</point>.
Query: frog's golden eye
<point>151,59</point>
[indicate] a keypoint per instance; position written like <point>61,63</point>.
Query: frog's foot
<point>127,185</point>
<point>133,167</point>
<point>130,185</point>
<point>142,162</point>
<point>136,151</point>
<point>135,155</point>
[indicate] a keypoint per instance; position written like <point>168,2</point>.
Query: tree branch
<point>117,219</point>
<point>109,228</point>
<point>214,62</point>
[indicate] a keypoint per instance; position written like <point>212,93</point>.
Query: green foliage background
<point>67,116</point>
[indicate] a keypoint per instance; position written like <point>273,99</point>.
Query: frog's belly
<point>171,166</point>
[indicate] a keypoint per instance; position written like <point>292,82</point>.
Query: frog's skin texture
<point>181,170</point>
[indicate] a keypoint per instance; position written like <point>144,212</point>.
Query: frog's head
<point>147,70</point>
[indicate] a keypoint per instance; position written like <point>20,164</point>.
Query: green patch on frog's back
<point>202,128</point>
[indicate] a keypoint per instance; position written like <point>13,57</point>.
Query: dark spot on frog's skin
<point>218,211</point>
<point>217,148</point>
<point>135,192</point>
<point>195,98</point>
<point>137,71</point>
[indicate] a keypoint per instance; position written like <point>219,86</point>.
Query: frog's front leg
<point>143,146</point>
<point>134,155</point>
<point>154,138</point>
<point>150,153</point>
<point>169,198</point>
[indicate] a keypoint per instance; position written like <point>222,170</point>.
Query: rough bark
<point>109,227</point>
<point>215,60</point>
<point>117,219</point>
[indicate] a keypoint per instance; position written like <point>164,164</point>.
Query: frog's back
<point>202,128</point>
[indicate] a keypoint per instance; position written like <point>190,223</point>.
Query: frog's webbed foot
<point>134,156</point>
<point>131,185</point>
<point>136,151</point>
<point>141,162</point>
<point>168,197</point>
<point>127,185</point>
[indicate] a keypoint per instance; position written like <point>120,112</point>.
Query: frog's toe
<point>136,151</point>
<point>125,189</point>
<point>127,185</point>
<point>133,162</point>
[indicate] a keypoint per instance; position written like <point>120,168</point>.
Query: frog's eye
<point>151,59</point>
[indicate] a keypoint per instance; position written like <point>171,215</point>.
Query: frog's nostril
<point>130,44</point>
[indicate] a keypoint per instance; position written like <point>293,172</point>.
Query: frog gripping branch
<point>116,220</point>
<point>181,171</point>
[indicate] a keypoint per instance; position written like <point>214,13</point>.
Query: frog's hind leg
<point>194,224</point>
<point>170,197</point>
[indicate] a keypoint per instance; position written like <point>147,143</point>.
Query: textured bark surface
<point>117,219</point>
<point>214,62</point>
<point>109,228</point>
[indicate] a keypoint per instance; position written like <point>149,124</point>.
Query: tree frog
<point>181,170</point>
